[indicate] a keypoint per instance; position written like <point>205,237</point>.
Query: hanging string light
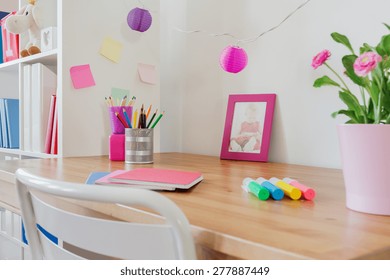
<point>234,59</point>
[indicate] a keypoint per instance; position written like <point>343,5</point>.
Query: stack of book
<point>9,123</point>
<point>147,178</point>
<point>39,103</point>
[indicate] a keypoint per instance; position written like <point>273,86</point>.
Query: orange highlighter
<point>290,191</point>
<point>307,193</point>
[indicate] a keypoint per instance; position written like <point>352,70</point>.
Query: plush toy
<point>27,19</point>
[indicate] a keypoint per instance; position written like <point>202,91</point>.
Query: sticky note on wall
<point>81,76</point>
<point>111,49</point>
<point>147,73</point>
<point>117,94</point>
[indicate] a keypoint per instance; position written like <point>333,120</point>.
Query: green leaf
<point>388,119</point>
<point>348,113</point>
<point>388,26</point>
<point>371,113</point>
<point>353,104</point>
<point>348,62</point>
<point>386,102</point>
<point>383,47</point>
<point>325,81</point>
<point>342,39</point>
<point>366,48</point>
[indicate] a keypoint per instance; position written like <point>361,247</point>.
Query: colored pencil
<point>135,117</point>
<point>153,116</point>
<point>123,102</point>
<point>148,112</point>
<point>121,120</point>
<point>158,119</point>
<point>127,118</point>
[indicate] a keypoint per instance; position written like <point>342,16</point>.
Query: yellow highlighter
<point>292,192</point>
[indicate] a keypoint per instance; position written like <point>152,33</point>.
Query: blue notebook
<point>93,176</point>
<point>12,122</point>
<point>3,123</point>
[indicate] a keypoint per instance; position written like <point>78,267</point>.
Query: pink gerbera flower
<point>320,59</point>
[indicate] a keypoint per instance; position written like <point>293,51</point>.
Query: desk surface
<point>230,222</point>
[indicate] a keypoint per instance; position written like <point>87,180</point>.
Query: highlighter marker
<point>276,193</point>
<point>288,190</point>
<point>250,185</point>
<point>307,193</point>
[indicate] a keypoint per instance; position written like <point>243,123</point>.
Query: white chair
<point>114,239</point>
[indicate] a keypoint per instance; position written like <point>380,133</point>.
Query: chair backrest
<point>114,239</point>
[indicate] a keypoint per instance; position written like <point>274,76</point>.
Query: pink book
<point>159,178</point>
<point>54,135</point>
<point>50,122</point>
<point>106,180</point>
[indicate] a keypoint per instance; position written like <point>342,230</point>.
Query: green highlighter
<point>250,185</point>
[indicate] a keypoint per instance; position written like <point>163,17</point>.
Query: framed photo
<point>248,127</point>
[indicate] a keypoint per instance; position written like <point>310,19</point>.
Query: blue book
<point>1,133</point>
<point>12,121</point>
<point>2,14</point>
<point>3,123</point>
<point>93,176</point>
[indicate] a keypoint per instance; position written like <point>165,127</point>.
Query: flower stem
<point>364,104</point>
<point>338,76</point>
<point>378,111</point>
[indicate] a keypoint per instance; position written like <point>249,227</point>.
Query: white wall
<point>85,25</point>
<point>196,90</point>
<point>9,5</point>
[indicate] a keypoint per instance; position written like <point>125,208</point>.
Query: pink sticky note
<point>147,73</point>
<point>82,76</point>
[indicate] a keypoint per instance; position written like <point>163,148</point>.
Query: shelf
<point>27,154</point>
<point>48,58</point>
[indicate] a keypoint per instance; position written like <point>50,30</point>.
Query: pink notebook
<point>106,180</point>
<point>158,178</point>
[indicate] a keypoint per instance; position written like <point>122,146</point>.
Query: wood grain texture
<point>234,224</point>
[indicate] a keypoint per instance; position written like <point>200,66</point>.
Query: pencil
<point>132,101</point>
<point>148,112</point>
<point>143,119</point>
<point>110,101</point>
<point>141,116</point>
<point>158,119</point>
<point>107,102</point>
<point>135,116</point>
<point>127,118</point>
<point>123,103</point>
<point>153,116</point>
<point>121,120</point>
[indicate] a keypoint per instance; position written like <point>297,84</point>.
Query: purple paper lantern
<point>233,59</point>
<point>139,19</point>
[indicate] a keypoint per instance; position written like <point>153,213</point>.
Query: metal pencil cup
<point>139,145</point>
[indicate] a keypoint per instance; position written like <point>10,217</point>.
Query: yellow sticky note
<point>111,49</point>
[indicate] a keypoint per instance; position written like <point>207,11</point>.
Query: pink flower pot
<point>365,154</point>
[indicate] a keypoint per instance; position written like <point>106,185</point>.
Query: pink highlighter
<point>307,193</point>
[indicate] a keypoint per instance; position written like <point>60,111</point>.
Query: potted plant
<point>365,138</point>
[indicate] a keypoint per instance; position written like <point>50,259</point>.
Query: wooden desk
<point>229,223</point>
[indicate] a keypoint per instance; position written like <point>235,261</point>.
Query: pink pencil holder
<point>116,125</point>
<point>117,147</point>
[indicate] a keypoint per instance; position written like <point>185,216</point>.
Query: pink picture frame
<point>248,127</point>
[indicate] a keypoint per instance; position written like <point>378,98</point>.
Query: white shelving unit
<point>11,75</point>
